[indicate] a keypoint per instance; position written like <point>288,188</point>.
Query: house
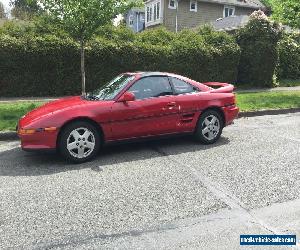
<point>176,15</point>
<point>233,23</point>
<point>230,23</point>
<point>135,19</point>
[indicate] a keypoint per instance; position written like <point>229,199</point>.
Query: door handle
<point>172,104</point>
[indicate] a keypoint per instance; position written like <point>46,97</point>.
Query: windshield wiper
<point>92,97</point>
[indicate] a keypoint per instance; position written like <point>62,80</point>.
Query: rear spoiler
<point>223,87</point>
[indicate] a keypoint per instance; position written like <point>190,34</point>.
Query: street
<point>163,194</point>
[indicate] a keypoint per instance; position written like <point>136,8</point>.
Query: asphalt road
<point>166,194</point>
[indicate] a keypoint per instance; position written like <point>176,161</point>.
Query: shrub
<point>289,57</point>
<point>259,55</point>
<point>50,66</point>
<point>156,36</point>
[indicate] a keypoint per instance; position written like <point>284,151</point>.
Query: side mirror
<point>127,97</point>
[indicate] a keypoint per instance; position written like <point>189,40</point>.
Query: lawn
<point>10,113</point>
<point>268,100</point>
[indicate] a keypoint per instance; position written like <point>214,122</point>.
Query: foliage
<point>289,82</point>
<point>25,9</point>
<point>285,11</point>
<point>259,56</point>
<point>81,18</point>
<point>157,36</point>
<point>289,57</point>
<point>119,34</point>
<point>48,65</point>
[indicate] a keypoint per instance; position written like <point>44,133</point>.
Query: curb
<point>269,112</point>
<point>10,136</point>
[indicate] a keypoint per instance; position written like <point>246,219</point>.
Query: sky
<point>6,3</point>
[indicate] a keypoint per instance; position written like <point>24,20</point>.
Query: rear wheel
<point>79,142</point>
<point>209,127</point>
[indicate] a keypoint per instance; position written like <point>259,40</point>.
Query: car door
<point>189,100</point>
<point>153,112</point>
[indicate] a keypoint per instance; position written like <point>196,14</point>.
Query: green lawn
<point>11,112</point>
<point>268,100</point>
<point>289,83</point>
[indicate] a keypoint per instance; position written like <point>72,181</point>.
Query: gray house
<point>135,19</point>
<point>176,15</point>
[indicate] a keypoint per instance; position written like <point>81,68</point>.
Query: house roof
<point>138,9</point>
<point>230,23</point>
<point>235,22</point>
<point>255,4</point>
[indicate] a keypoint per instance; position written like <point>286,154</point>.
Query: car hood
<point>55,106</point>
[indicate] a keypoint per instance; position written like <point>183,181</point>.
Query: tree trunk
<point>82,67</point>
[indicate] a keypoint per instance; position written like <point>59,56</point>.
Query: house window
<point>172,4</point>
<point>131,20</point>
<point>142,18</point>
<point>228,11</point>
<point>193,5</point>
<point>149,13</point>
<point>153,11</point>
<point>157,10</point>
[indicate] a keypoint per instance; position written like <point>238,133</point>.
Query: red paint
<point>124,120</point>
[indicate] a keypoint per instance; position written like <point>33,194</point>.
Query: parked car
<point>131,106</point>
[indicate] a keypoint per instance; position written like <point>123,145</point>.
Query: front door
<point>154,112</point>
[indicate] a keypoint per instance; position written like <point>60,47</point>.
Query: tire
<point>79,142</point>
<point>209,127</point>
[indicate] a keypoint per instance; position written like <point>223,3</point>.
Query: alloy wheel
<point>81,143</point>
<point>210,127</point>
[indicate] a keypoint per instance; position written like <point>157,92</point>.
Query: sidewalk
<point>48,99</point>
<point>297,88</point>
<point>27,99</point>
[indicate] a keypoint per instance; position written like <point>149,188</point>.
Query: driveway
<point>166,194</point>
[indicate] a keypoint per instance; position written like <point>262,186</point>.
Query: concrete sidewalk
<point>27,99</point>
<point>48,99</point>
<point>297,88</point>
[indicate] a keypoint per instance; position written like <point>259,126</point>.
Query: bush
<point>289,57</point>
<point>50,66</point>
<point>259,55</point>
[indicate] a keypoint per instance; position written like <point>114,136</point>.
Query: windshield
<point>110,90</point>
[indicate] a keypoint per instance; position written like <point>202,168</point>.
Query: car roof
<point>153,73</point>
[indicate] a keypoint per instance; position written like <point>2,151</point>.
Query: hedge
<point>289,57</point>
<point>50,66</point>
<point>259,51</point>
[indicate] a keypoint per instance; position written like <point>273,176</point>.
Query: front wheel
<point>209,127</point>
<point>79,142</point>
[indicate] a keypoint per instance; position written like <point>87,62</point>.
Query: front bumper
<point>38,141</point>
<point>231,113</point>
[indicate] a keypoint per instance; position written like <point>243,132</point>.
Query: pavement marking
<point>225,196</point>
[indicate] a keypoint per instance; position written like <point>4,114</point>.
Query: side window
<point>152,86</point>
<point>182,87</point>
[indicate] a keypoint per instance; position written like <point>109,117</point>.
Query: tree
<point>81,19</point>
<point>2,11</point>
<point>25,9</point>
<point>285,11</point>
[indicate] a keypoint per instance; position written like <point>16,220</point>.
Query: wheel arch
<point>217,109</point>
<point>82,119</point>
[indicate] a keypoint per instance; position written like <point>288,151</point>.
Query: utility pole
<point>176,18</point>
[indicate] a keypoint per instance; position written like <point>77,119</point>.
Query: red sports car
<point>133,105</point>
